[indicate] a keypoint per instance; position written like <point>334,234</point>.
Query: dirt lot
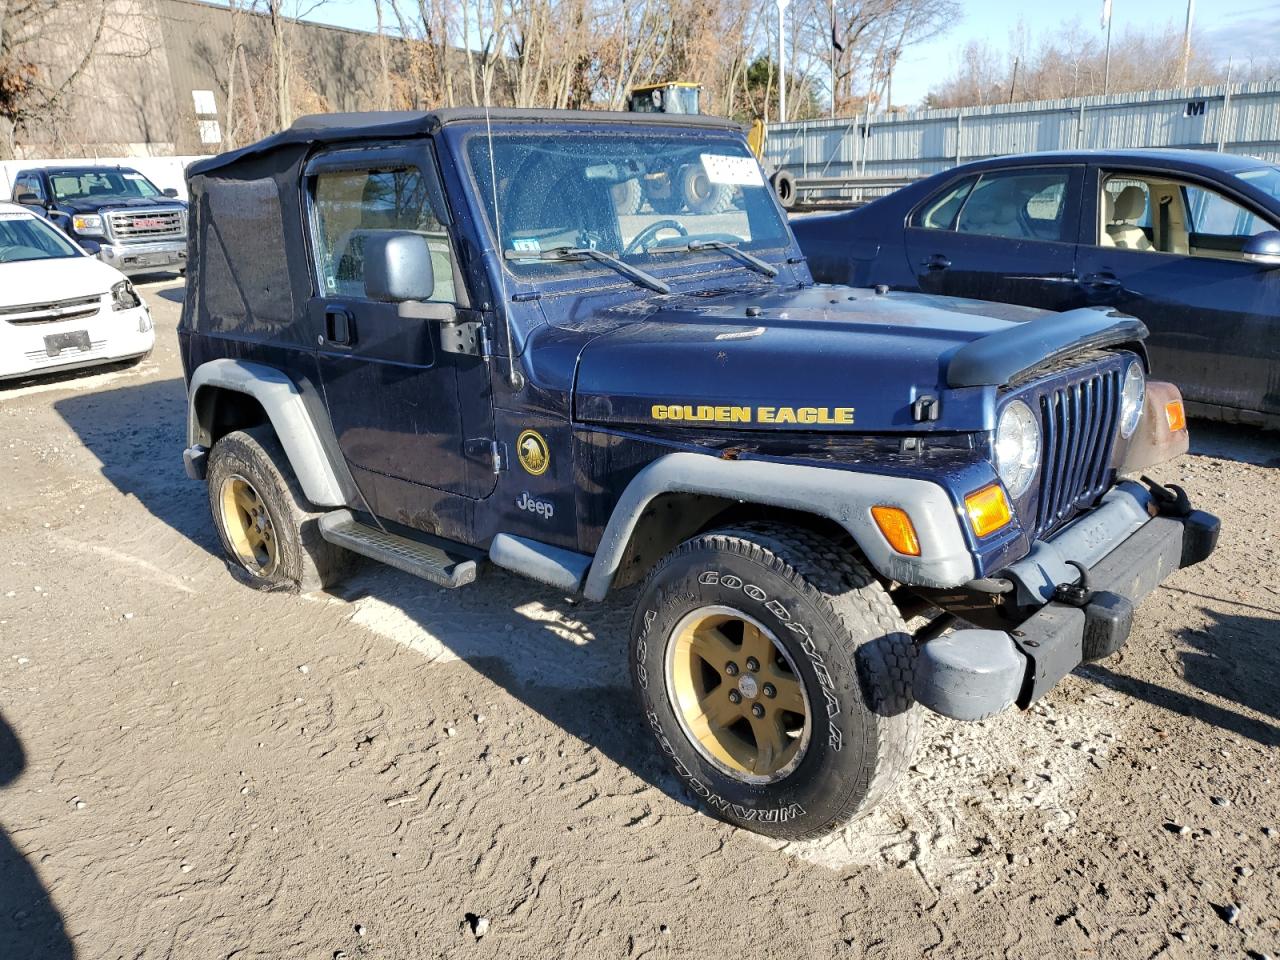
<point>191,769</point>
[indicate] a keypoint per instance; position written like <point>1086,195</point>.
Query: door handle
<point>936,262</point>
<point>339,325</point>
<point>1108,281</point>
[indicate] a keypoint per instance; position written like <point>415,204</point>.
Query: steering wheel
<point>642,240</point>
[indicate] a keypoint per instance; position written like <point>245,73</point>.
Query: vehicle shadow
<point>172,294</point>
<point>30,925</point>
<point>137,432</point>
<point>1236,659</point>
<point>1231,441</point>
<point>563,658</point>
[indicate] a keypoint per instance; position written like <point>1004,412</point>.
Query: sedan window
<point>939,213</point>
<point>1018,205</point>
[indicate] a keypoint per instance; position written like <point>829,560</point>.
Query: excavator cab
<point>678,96</point>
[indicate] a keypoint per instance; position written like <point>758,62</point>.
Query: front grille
<point>1079,423</point>
<point>143,226</point>
<point>75,308</point>
<point>95,346</point>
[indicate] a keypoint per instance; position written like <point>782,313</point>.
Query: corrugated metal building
<point>1242,118</point>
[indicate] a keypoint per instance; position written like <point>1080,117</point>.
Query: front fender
<point>280,398</point>
<point>840,495</point>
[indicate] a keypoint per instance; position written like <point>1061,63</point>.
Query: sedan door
<point>1006,235</point>
<point>1166,248</point>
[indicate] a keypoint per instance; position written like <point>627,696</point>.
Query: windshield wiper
<point>586,253</point>
<point>753,262</point>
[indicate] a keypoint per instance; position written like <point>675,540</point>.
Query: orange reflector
<point>1176,415</point>
<point>897,529</point>
<point>988,509</point>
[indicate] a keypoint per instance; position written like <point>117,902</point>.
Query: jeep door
<point>1006,235</point>
<point>397,400</point>
<point>1166,248</point>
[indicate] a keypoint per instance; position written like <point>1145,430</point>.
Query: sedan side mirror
<point>1263,248</point>
<point>170,192</point>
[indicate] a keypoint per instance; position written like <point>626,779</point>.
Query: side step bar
<point>420,559</point>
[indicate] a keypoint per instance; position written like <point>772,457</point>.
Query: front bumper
<point>973,674</point>
<point>113,335</point>
<point>135,258</point>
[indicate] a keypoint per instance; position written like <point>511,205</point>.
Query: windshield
<point>24,237</point>
<point>643,198</point>
<point>101,185</point>
<point>1266,179</point>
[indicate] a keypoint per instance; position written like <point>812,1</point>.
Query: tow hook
<point>1108,617</point>
<point>1074,594</point>
<point>1171,500</point>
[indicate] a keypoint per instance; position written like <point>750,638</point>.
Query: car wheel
<point>268,530</point>
<point>775,674</point>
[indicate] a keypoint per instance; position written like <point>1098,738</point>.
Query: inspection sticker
<point>734,171</point>
<point>526,244</point>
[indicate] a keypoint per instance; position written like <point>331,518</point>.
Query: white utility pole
<point>1106,70</point>
<point>1186,40</point>
<point>782,60</point>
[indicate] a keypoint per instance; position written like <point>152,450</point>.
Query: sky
<point>1227,28</point>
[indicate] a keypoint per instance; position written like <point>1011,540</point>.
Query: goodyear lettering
<point>706,413</point>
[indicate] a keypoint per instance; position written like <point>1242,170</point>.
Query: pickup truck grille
<point>74,308</point>
<point>144,226</point>
<point>1079,422</point>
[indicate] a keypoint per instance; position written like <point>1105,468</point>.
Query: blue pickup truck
<point>114,213</point>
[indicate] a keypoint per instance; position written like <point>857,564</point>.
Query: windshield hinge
<point>465,335</point>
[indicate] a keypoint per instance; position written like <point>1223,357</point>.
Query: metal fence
<point>1240,118</point>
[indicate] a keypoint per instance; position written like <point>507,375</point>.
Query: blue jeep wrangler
<point>444,339</point>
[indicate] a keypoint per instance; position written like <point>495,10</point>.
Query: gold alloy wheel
<point>248,526</point>
<point>737,695</point>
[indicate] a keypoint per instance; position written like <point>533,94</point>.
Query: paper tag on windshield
<point>526,245</point>
<point>733,171</point>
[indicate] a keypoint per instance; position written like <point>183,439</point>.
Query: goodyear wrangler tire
<point>268,529</point>
<point>775,674</point>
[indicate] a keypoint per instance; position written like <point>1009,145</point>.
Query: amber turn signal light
<point>988,509</point>
<point>897,529</point>
<point>1176,415</point>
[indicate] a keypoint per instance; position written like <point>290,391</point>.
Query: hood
<point>96,204</point>
<point>819,358</point>
<point>62,278</point>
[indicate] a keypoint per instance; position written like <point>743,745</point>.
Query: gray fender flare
<point>840,495</point>
<point>283,403</point>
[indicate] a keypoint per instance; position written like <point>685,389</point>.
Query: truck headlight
<point>88,225</point>
<point>1132,394</point>
<point>124,297</point>
<point>1017,448</point>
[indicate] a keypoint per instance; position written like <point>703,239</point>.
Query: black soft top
<point>337,127</point>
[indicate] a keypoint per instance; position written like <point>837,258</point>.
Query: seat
<point>1124,210</point>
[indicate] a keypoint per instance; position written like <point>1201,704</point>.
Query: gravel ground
<point>189,768</point>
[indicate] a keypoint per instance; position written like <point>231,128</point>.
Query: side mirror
<point>170,192</point>
<point>397,267</point>
<point>1263,248</point>
<point>27,198</point>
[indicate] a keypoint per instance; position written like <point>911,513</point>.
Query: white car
<point>59,307</point>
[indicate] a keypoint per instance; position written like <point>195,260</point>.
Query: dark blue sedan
<point>1185,240</point>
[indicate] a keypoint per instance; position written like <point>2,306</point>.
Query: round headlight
<point>1132,394</point>
<point>1017,448</point>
